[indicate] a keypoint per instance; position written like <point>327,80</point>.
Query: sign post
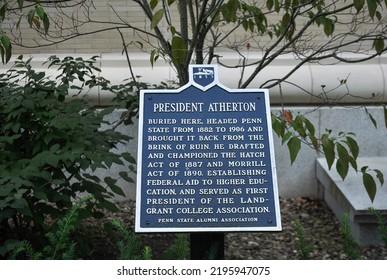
<point>206,159</point>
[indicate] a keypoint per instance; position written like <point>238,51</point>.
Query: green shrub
<point>50,145</point>
<point>60,246</point>
<point>180,249</point>
<point>130,247</point>
<point>349,244</point>
<point>304,248</point>
<point>382,226</point>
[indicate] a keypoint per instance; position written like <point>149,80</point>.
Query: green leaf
<point>40,195</point>
<point>364,168</point>
<point>353,162</point>
<point>342,168</point>
<point>16,127</point>
<point>329,150</point>
<point>294,146</point>
<point>109,206</point>
<point>309,126</point>
<point>129,158</point>
<point>54,148</point>
<point>153,4</point>
<point>371,118</point>
<point>179,50</point>
<point>110,181</point>
<point>153,57</point>
<point>28,104</point>
<point>298,125</point>
<point>40,11</point>
<point>277,6</point>
<point>245,25</point>
<point>52,160</point>
<point>359,4</point>
<point>370,186</point>
<point>3,204</point>
<point>46,24</point>
<point>229,11</point>
<point>3,10</point>
<point>329,27</point>
<point>286,20</point>
<point>173,30</point>
<point>353,146</point>
<point>92,177</point>
<point>117,190</point>
<point>124,175</point>
<point>342,153</point>
<point>379,44</point>
<point>19,204</point>
<point>6,48</point>
<point>157,17</point>
<point>226,13</point>
<point>342,165</point>
<point>279,126</point>
<point>30,17</point>
<point>286,137</point>
<point>20,4</point>
<point>380,176</point>
<point>314,141</point>
<point>6,191</point>
<point>372,6</point>
<point>269,4</point>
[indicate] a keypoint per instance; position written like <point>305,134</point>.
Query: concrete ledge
<point>349,196</point>
<point>366,81</point>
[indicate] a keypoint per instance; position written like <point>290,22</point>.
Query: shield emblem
<point>203,76</point>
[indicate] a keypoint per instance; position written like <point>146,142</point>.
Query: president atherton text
<point>192,107</point>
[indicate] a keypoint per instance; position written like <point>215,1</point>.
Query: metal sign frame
<point>204,123</point>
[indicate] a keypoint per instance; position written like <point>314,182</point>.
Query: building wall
<point>113,14</point>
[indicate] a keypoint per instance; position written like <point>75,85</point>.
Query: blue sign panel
<point>206,159</point>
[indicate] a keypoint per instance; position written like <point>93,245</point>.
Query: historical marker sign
<point>206,159</point>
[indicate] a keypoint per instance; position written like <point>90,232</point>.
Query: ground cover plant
<point>59,244</point>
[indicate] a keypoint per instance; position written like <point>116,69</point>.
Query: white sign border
<point>138,227</point>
